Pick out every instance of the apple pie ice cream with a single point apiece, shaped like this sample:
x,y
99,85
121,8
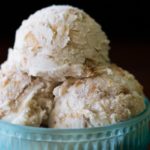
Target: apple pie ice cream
x,y
60,41
111,96
59,75
24,99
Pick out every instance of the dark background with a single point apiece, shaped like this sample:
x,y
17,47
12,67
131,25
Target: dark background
x,y
127,24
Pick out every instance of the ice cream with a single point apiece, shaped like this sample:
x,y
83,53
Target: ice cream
x,y
24,99
60,41
111,96
59,75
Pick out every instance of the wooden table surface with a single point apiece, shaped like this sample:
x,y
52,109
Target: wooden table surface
x,y
133,56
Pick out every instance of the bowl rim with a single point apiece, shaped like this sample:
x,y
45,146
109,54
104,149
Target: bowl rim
x,y
61,131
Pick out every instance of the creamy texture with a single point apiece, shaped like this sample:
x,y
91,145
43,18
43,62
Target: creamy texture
x,y
58,74
23,99
111,96
59,41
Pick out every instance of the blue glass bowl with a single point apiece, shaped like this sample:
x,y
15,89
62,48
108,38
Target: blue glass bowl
x,y
133,134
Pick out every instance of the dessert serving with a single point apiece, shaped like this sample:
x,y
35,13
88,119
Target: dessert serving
x,y
59,75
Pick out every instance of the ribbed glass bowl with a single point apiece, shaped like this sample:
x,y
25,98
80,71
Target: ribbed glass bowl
x,y
133,134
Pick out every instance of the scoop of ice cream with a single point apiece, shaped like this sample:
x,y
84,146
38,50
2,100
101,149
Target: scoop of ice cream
x,y
23,99
59,41
111,96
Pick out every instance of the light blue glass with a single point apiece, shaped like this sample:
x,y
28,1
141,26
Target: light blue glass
x,y
133,134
